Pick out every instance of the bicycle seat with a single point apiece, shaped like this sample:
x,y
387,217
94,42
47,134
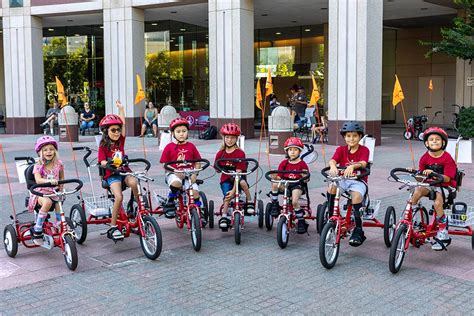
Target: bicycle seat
x,y
29,176
199,181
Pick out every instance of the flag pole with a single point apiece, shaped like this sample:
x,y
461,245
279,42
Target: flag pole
x,y
9,184
409,140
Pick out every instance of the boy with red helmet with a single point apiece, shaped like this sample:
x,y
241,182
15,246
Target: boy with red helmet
x,y
230,150
352,156
435,159
179,149
112,148
293,148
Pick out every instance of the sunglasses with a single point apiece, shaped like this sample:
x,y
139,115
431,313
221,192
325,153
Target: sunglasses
x,y
115,130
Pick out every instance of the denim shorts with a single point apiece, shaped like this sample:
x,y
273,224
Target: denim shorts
x,y
228,185
115,178
353,185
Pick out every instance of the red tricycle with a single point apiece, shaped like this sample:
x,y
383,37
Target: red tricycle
x,y
62,236
133,220
415,226
287,219
237,208
187,211
338,226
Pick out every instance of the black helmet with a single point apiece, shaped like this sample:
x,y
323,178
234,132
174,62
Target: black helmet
x,y
352,126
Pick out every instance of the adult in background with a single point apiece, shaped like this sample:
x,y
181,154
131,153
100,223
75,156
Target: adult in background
x,y
150,119
300,105
273,103
87,118
51,118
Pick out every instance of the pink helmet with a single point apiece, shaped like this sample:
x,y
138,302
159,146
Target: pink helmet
x,y
294,142
110,119
230,129
45,140
179,121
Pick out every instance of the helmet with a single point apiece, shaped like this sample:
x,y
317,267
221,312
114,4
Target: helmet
x,y
179,121
45,140
230,129
438,131
351,126
110,119
294,142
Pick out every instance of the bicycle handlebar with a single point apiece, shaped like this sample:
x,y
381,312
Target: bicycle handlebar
x,y
49,185
188,170
364,173
88,153
302,179
29,160
438,178
236,160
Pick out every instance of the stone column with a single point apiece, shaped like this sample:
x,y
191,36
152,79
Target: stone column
x,y
124,51
24,75
355,65
464,93
231,63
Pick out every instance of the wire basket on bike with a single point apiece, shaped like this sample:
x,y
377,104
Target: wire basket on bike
x,y
98,206
462,219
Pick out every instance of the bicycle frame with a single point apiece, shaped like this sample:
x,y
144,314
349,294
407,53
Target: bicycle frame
x,y
184,211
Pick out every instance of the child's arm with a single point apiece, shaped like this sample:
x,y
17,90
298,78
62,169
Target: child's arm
x,y
121,114
40,180
61,177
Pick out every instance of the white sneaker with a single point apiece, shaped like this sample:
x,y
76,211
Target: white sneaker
x,y
442,236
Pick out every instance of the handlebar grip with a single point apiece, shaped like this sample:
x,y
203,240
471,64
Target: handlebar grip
x,y
78,148
29,160
364,172
167,167
146,162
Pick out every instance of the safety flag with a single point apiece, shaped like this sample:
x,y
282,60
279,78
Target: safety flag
x,y
269,84
397,93
258,100
140,92
61,95
430,87
315,94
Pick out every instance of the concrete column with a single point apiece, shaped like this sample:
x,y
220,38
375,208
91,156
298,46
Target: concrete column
x,y
231,63
124,51
464,93
24,75
355,65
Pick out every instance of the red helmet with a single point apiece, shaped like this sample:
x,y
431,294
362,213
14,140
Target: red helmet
x,y
230,129
179,121
438,131
110,119
294,142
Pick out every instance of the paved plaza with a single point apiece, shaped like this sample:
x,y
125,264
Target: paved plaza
x,y
256,277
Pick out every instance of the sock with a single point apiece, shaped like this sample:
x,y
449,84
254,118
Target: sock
x,y
39,222
274,196
331,198
173,193
197,202
442,222
58,217
356,212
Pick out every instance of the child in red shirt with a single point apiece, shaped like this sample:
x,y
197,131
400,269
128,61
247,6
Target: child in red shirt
x,y
112,148
229,150
439,161
352,156
293,147
179,150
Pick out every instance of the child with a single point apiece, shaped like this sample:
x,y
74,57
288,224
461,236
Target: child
x,y
293,148
181,150
112,148
353,157
439,161
48,169
229,150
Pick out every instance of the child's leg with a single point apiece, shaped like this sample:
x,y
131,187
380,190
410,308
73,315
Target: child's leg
x,y
358,191
116,188
442,220
57,212
356,198
418,194
175,182
132,183
245,187
302,225
226,188
295,196
46,204
331,196
274,198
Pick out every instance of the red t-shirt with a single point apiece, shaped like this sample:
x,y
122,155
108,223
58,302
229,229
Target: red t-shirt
x,y
288,166
105,153
444,165
344,158
230,165
173,151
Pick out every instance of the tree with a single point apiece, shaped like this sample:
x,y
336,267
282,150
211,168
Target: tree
x,y
458,40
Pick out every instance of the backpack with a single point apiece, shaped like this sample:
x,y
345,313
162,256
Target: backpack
x,y
209,133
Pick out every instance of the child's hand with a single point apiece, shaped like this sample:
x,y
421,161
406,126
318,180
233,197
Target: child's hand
x,y
333,171
349,172
119,104
427,172
53,182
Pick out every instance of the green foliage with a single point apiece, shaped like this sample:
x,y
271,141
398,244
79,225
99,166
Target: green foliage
x,y
466,122
160,68
458,40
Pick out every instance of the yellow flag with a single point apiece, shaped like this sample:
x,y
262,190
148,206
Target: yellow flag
x,y
397,93
314,95
60,89
258,101
269,84
430,87
140,92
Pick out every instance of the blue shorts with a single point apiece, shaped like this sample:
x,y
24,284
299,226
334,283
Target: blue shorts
x,y
228,185
115,178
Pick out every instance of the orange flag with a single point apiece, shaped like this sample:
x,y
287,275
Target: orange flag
x,y
62,99
258,101
314,95
140,92
269,84
397,93
430,87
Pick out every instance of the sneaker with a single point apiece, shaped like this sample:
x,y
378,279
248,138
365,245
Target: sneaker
x,y
36,236
249,208
443,237
170,209
357,237
114,233
302,227
224,223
